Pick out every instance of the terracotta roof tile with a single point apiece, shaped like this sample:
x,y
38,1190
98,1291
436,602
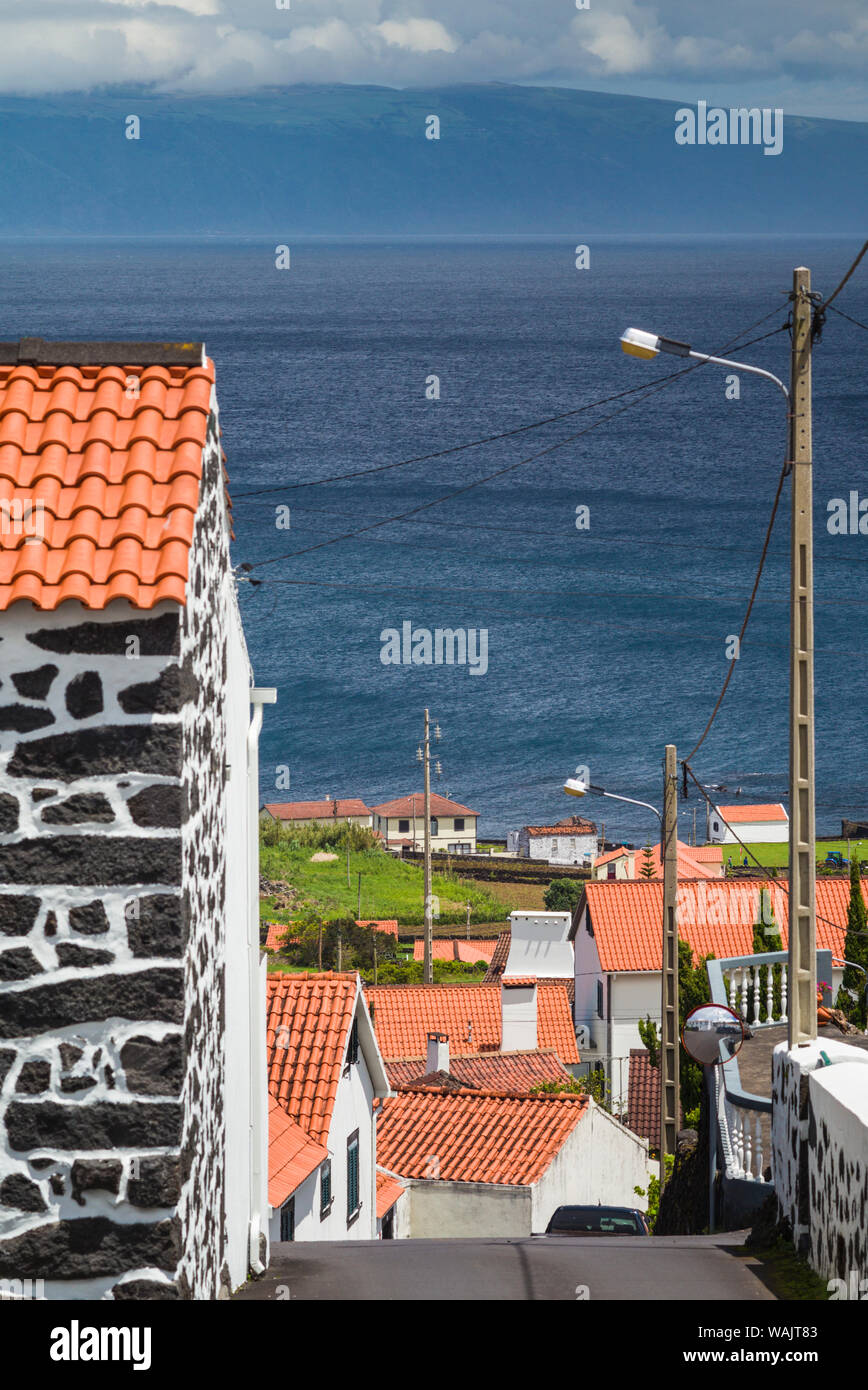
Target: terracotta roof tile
x,y
571,825
292,1154
487,1071
415,805
740,814
307,1029
474,1136
469,1014
108,484
643,1106
387,925
715,917
317,810
389,1189
454,948
499,957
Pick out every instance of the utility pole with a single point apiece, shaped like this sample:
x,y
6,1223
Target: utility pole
x,y
428,967
803,868
694,827
348,855
669,1031
359,899
468,921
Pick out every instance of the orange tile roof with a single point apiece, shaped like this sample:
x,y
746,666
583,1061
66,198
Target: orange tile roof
x,y
389,1189
474,1136
487,1071
618,853
307,1030
706,854
317,810
276,932
572,825
405,1014
415,805
643,1105
114,478
292,1154
715,917
389,925
453,948
741,814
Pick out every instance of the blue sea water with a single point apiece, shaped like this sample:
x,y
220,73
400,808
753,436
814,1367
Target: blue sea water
x,y
603,644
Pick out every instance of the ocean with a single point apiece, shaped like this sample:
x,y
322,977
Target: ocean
x,y
604,640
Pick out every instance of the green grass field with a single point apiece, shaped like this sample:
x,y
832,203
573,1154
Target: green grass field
x,y
390,887
776,856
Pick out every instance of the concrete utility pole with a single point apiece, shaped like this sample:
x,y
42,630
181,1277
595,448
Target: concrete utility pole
x,y
803,867
669,1031
428,968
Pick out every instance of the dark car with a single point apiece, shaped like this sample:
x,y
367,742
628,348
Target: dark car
x,y
597,1221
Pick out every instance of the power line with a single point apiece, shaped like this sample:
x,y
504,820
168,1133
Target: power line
x,y
500,472
505,434
838,288
849,318
748,611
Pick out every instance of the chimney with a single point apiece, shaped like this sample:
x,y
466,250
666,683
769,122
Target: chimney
x,y
437,1055
518,1009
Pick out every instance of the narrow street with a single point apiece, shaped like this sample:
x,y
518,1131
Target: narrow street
x,y
537,1268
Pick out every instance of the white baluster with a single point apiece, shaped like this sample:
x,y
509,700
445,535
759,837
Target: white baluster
x,y
770,994
748,1148
784,986
759,1149
739,1145
744,975
732,990
756,994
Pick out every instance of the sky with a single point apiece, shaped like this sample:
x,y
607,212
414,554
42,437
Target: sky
x,y
806,56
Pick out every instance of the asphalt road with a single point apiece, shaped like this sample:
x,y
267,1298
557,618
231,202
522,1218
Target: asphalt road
x,y
541,1268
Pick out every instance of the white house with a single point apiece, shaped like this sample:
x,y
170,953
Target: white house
x,y
478,1164
324,1071
766,824
694,861
402,823
133,1125
617,935
540,944
570,841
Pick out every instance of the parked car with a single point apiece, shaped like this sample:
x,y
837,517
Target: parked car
x,y
596,1221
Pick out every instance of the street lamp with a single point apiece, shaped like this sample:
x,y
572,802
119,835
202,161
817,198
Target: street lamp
x,y
574,786
637,343
802,952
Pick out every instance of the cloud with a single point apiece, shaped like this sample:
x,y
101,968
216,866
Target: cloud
x,y
671,47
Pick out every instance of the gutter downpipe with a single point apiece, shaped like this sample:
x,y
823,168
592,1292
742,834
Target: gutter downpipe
x,y
257,1117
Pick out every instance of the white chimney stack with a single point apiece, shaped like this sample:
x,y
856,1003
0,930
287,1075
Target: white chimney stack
x,y
518,1009
437,1056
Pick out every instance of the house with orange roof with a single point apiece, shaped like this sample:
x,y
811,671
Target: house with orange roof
x,y
693,862
324,1073
486,1163
402,824
132,1009
617,935
485,1071
768,823
337,810
519,1014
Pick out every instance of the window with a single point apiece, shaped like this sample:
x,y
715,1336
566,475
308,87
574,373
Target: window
x,y
403,827
600,1013
353,1046
611,869
325,1188
434,826
287,1220
459,822
353,1204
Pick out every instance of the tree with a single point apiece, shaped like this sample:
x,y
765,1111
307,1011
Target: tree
x,y
647,868
650,1040
851,995
692,991
562,894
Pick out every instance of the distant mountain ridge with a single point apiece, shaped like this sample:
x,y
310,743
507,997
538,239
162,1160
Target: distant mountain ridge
x,y
355,160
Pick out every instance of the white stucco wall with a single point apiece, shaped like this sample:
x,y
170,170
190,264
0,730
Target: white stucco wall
x,y
559,849
765,832
459,1210
539,945
239,1024
601,1162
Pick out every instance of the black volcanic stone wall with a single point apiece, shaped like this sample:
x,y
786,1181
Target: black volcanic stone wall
x,y
112,937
